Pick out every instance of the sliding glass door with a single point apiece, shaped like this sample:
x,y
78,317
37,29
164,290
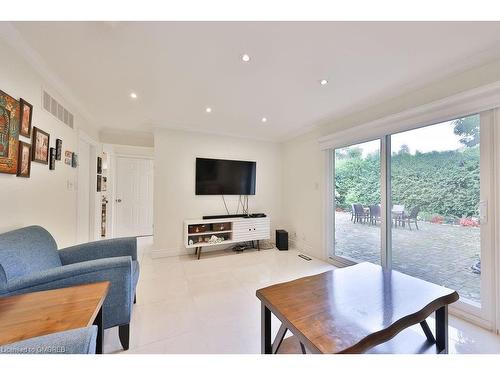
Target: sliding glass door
x,y
416,201
357,202
435,184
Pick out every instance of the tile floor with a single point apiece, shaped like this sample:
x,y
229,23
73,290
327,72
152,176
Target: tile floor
x,y
209,306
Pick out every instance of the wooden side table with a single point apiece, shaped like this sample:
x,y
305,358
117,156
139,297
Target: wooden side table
x,y
353,310
41,313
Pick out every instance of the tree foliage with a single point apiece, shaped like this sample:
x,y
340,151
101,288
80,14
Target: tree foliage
x,y
468,130
444,183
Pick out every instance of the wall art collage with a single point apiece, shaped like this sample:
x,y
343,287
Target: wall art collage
x,y
15,155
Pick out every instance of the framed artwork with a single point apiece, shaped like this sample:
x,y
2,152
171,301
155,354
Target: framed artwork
x,y
68,156
58,149
99,183
99,165
74,160
25,119
9,133
40,146
52,161
24,160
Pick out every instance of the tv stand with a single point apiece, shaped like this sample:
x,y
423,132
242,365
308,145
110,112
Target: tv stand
x,y
198,233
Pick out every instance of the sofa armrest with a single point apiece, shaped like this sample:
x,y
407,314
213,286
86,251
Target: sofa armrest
x,y
3,281
74,341
116,247
117,269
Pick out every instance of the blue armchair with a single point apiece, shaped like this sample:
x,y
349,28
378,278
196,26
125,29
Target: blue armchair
x,y
30,262
74,341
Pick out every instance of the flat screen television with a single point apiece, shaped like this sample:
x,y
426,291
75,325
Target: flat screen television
x,y
227,177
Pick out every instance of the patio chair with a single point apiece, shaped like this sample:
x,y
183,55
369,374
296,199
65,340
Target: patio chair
x,y
360,215
412,216
398,211
374,214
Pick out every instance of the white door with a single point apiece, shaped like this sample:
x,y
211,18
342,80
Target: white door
x,y
84,223
134,197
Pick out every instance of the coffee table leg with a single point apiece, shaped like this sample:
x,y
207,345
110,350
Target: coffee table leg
x,y
265,330
442,329
100,332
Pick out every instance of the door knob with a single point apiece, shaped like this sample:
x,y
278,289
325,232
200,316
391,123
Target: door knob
x,y
118,200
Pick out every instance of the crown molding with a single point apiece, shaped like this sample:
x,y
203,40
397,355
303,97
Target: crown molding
x,y
462,104
14,39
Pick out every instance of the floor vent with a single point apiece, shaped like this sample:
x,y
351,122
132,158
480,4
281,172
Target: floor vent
x,y
57,110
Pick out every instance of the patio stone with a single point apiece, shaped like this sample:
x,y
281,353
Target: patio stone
x,y
439,253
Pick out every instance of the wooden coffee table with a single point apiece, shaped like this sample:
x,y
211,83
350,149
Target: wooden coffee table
x,y
353,309
41,313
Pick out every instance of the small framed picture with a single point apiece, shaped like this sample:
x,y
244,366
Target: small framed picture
x,y
26,112
40,146
24,161
58,149
99,165
68,157
52,162
99,183
74,160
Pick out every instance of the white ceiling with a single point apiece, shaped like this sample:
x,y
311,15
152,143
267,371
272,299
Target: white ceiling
x,y
178,69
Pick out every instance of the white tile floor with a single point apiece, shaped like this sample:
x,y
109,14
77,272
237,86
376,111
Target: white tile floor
x,y
209,306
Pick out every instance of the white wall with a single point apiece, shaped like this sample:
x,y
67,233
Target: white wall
x,y
124,137
44,199
174,185
305,165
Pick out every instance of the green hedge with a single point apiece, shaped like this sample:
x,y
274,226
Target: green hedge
x,y
441,183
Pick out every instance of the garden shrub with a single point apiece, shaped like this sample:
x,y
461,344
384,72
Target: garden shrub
x,y
443,184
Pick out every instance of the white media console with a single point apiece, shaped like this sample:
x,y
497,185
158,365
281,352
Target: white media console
x,y
200,233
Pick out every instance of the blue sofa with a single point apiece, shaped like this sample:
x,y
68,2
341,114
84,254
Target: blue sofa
x,y
74,341
30,262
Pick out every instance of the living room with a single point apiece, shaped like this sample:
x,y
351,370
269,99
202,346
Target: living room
x,y
263,186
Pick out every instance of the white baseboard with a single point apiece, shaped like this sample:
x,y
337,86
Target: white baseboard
x,y
299,245
303,247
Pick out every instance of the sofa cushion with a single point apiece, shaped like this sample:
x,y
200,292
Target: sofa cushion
x,y
27,250
75,341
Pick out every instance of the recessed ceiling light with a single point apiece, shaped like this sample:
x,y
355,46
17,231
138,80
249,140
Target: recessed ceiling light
x,y
264,119
208,109
245,58
323,82
133,95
